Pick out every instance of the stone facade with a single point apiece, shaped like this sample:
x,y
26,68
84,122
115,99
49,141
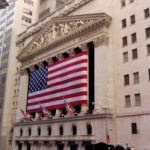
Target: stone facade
x,y
74,25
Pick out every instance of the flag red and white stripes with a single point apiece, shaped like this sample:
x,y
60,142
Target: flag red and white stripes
x,y
65,78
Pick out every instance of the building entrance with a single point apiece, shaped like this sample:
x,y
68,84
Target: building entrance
x,y
73,147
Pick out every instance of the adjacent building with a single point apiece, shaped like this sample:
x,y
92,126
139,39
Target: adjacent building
x,y
95,55
13,19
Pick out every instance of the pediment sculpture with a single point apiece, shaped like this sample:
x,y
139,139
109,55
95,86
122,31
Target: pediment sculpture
x,y
59,28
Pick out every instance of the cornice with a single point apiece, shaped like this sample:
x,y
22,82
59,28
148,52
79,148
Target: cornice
x,y
86,23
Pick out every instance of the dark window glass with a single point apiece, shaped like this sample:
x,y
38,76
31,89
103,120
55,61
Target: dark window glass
x,y
137,99
126,80
147,32
74,130
123,3
149,73
147,13
20,146
124,24
132,19
29,130
131,1
49,131
134,128
21,132
148,49
134,54
39,131
125,57
133,37
89,129
127,101
61,131
124,41
136,79
28,146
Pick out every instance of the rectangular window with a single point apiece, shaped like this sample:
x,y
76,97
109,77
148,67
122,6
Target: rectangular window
x,y
127,101
133,37
147,30
132,19
136,78
126,80
125,57
29,2
137,99
131,1
148,49
134,54
123,3
134,128
27,11
124,41
26,19
124,24
149,73
147,13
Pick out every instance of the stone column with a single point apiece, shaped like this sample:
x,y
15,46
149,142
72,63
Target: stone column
x,y
80,146
103,73
23,92
66,146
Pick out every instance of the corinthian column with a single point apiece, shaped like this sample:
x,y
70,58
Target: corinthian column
x,y
23,92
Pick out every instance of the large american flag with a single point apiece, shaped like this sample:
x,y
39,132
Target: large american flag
x,y
65,78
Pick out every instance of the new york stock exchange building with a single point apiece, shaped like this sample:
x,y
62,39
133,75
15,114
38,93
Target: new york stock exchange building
x,y
67,60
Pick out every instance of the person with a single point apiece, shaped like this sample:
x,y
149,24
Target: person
x,y
119,147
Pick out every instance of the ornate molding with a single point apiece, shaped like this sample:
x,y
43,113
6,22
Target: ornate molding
x,y
60,30
98,41
102,40
23,71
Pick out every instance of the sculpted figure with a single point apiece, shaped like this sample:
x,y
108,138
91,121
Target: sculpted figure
x,y
79,23
42,40
61,29
54,31
36,44
66,28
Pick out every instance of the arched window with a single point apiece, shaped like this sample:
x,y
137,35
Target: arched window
x,y
29,131
49,131
61,131
21,132
89,129
39,131
74,130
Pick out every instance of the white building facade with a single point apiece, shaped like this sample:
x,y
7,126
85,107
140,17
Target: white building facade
x,y
115,35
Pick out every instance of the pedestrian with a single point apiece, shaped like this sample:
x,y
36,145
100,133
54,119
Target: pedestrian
x,y
119,147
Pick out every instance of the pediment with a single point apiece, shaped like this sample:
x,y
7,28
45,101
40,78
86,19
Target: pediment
x,y
60,29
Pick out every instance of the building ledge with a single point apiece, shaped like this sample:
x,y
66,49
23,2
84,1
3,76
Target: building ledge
x,y
108,115
64,138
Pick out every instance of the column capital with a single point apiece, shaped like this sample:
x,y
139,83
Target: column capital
x,y
23,71
84,47
101,40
